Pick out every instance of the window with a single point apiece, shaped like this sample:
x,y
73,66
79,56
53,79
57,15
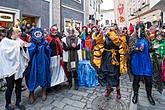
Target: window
x,y
90,2
106,22
94,4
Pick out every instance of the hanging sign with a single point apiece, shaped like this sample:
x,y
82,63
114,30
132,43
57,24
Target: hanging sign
x,y
6,17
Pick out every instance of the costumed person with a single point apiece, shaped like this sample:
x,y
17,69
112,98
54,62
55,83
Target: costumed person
x,y
162,53
38,71
56,65
14,60
46,33
27,39
71,57
141,65
110,70
84,35
98,49
123,49
131,46
88,44
158,53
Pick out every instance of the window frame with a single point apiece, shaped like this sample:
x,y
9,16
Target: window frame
x,y
78,1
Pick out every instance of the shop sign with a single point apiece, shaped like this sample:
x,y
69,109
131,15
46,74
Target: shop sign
x,y
6,17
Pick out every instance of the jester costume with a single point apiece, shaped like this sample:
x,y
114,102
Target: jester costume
x,y
141,65
86,43
38,71
56,65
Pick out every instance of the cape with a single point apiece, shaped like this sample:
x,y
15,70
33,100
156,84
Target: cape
x,y
140,61
14,59
38,71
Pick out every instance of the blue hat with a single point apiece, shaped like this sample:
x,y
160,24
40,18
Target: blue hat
x,y
37,34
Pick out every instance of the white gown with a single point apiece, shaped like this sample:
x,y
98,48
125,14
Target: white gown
x,y
13,58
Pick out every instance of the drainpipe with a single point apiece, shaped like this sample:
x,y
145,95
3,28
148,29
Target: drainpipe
x,y
50,12
61,15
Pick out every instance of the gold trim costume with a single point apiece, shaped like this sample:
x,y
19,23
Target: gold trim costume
x,y
98,49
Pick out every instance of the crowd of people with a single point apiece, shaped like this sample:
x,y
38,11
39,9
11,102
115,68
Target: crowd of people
x,y
93,57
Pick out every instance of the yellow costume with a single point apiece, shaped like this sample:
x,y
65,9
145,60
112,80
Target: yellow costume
x,y
123,48
98,49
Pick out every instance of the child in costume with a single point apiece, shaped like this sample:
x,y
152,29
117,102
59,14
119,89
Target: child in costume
x,y
56,65
141,65
14,60
38,71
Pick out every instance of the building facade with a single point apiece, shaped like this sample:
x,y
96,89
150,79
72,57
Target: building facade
x,y
72,14
29,11
107,17
159,4
139,10
92,14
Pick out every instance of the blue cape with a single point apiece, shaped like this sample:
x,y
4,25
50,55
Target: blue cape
x,y
140,61
38,71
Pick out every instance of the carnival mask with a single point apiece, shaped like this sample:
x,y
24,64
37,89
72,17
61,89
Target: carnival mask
x,y
54,30
37,34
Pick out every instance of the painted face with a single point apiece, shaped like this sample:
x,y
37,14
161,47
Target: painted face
x,y
84,29
54,30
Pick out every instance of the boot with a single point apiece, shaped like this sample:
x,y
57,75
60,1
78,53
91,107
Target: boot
x,y
76,87
148,85
108,91
44,95
135,98
149,96
118,96
31,97
70,80
136,89
70,85
9,107
151,100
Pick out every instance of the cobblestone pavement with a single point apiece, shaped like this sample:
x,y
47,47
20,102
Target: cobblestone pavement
x,y
144,103
89,99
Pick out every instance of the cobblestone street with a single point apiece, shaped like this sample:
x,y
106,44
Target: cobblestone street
x,y
91,99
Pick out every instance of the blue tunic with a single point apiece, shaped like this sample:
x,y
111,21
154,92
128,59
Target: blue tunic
x,y
38,71
140,61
